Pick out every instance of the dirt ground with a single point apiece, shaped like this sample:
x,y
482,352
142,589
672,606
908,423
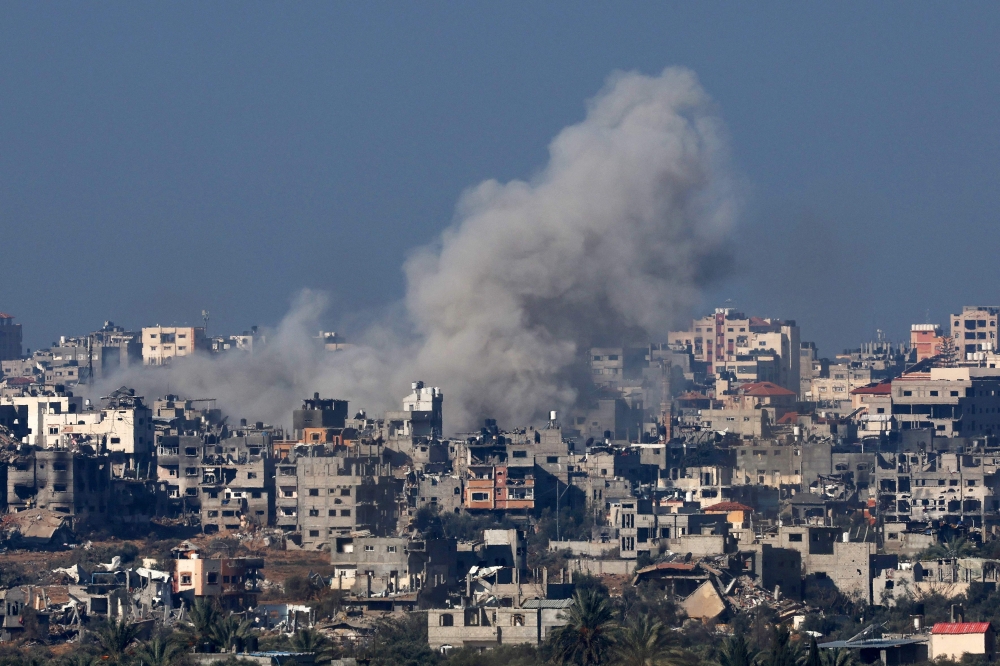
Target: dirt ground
x,y
278,564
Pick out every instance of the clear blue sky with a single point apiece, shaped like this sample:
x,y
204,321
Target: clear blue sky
x,y
161,158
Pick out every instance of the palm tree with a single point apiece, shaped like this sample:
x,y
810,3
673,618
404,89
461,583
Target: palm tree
x,y
114,639
310,640
953,549
781,653
203,616
160,651
589,633
838,657
737,652
644,642
811,657
225,633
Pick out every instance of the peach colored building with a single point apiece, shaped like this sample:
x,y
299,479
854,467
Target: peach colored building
x,y
953,640
489,488
232,580
925,339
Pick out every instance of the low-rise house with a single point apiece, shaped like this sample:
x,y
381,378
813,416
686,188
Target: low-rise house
x,y
953,640
490,626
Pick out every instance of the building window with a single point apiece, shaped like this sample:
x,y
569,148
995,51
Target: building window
x,y
314,533
213,578
314,492
345,513
369,549
480,497
314,512
185,579
795,537
390,549
447,619
345,492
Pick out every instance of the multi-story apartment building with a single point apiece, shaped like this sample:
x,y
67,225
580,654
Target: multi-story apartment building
x,y
95,355
338,495
728,340
10,338
234,582
161,344
39,407
614,367
75,485
123,427
422,415
494,488
841,379
752,410
974,329
952,401
959,487
925,339
769,464
318,416
227,483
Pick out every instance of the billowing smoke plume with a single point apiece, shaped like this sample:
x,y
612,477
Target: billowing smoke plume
x,y
613,238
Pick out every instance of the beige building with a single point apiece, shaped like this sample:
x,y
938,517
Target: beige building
x,y
975,329
728,340
486,627
841,381
160,344
955,402
953,640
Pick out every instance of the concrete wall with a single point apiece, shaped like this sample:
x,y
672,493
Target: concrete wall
x,y
697,544
603,567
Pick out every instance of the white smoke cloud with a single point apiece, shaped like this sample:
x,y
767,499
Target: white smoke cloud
x,y
615,236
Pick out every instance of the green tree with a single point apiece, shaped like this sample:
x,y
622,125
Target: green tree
x,y
114,639
203,616
953,548
644,642
228,632
782,653
589,634
838,657
161,651
811,657
310,640
737,652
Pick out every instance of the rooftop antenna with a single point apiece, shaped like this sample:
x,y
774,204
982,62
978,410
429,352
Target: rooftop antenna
x,y
204,318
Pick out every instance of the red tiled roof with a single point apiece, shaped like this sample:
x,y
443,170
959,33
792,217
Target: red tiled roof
x,y
691,395
764,389
727,507
4,315
790,417
961,628
19,381
885,388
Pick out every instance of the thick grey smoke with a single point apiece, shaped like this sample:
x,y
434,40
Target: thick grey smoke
x,y
614,236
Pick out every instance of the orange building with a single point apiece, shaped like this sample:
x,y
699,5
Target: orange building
x,y
491,488
925,339
234,581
